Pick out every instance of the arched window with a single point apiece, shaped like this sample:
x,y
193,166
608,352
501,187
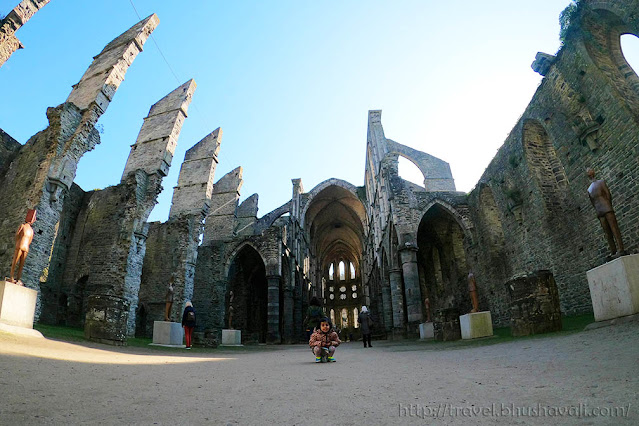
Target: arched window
x,y
342,271
330,272
333,316
630,50
352,270
355,318
407,170
344,318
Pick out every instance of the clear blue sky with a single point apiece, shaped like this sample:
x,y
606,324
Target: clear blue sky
x,y
291,82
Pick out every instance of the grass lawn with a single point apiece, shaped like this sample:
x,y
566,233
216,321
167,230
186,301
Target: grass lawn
x,y
570,325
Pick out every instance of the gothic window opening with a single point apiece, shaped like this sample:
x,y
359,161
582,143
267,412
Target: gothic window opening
x,y
330,273
352,270
355,318
342,271
344,318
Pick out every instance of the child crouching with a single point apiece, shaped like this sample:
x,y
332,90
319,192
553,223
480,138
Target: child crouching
x,y
324,340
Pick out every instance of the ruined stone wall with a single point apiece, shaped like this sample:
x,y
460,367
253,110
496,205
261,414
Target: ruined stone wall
x,y
9,147
9,43
171,251
582,115
211,282
43,170
54,299
107,249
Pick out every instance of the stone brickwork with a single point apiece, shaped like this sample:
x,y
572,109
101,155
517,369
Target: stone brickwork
x,y
408,243
446,325
192,194
9,147
109,240
9,43
44,168
534,304
171,247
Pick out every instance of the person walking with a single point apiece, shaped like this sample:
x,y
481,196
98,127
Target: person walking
x,y
365,324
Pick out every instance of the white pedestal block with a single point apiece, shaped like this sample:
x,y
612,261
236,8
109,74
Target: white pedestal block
x,y
475,325
17,304
426,330
167,333
231,338
614,288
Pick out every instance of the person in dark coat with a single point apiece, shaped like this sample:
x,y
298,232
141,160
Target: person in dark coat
x,y
314,314
188,322
365,324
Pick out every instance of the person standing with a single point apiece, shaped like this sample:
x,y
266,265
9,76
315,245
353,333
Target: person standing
x,y
365,324
188,322
314,314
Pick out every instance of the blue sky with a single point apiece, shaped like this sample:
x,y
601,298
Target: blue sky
x,y
291,82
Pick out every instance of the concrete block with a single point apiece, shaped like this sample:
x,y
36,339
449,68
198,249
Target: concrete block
x,y
231,338
426,330
475,325
167,333
614,288
17,304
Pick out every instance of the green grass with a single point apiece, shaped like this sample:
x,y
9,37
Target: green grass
x,y
570,325
60,332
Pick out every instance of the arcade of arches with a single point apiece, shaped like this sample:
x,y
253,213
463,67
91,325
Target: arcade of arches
x,y
389,244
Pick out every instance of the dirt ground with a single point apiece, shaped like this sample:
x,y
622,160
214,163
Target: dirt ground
x,y
561,379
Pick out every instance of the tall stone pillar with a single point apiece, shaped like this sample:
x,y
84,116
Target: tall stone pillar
x,y
412,291
287,321
387,304
273,309
297,310
397,301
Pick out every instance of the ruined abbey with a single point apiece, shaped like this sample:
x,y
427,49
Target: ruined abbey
x,y
388,244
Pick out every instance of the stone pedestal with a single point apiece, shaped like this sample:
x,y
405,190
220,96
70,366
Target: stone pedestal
x,y
17,304
168,333
614,288
426,330
106,319
475,325
446,324
534,304
231,338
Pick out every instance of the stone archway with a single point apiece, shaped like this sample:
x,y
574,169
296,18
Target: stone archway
x,y
334,222
544,165
441,258
247,280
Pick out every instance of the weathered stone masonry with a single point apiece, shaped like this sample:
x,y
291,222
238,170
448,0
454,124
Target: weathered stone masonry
x,y
529,211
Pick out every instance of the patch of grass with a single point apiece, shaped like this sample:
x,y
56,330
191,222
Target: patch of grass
x,y
570,325
60,332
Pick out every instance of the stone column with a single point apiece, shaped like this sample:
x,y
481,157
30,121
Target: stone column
x,y
387,305
287,321
297,311
412,292
397,300
273,309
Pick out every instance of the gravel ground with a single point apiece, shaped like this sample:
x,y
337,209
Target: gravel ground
x,y
560,379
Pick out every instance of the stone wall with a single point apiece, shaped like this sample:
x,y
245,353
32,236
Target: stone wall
x,y
11,23
583,115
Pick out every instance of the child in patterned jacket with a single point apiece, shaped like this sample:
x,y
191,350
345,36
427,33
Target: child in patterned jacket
x,y
324,341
